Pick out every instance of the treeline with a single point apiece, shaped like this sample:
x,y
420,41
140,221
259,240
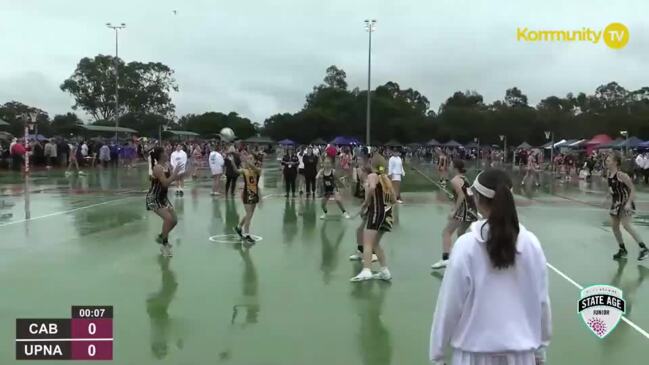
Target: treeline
x,y
331,109
405,115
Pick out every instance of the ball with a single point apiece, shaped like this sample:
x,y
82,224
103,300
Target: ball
x,y
227,134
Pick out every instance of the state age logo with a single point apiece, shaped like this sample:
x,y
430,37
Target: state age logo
x,y
601,307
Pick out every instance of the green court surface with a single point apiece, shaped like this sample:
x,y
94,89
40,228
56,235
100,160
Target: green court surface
x,y
287,300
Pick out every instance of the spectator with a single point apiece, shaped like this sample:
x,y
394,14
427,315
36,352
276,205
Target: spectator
x,y
17,151
104,155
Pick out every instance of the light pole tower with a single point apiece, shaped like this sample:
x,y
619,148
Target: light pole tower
x,y
116,28
370,26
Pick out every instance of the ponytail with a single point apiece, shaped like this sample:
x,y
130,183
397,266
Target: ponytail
x,y
494,190
154,157
388,189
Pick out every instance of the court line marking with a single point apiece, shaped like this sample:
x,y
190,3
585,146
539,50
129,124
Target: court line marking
x,y
574,283
67,211
628,321
81,208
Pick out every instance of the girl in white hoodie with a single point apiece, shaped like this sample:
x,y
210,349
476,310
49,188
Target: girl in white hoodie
x,y
493,306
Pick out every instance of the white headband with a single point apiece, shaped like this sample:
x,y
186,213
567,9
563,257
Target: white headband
x,y
483,190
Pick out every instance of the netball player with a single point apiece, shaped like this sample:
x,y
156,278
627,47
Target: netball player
x,y
622,193
327,173
379,199
464,212
73,159
250,197
156,198
493,306
362,180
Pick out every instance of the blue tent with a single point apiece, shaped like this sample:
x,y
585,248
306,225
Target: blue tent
x,y
38,137
344,140
286,142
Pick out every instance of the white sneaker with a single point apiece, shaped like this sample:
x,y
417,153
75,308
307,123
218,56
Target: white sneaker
x,y
214,193
81,172
358,256
439,264
384,274
347,216
400,201
364,275
324,216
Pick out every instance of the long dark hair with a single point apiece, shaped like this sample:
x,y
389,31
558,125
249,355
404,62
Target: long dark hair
x,y
503,218
154,156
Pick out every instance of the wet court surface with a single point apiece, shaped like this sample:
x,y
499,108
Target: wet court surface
x,y
89,240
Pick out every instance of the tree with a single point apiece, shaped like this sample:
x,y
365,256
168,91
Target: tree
x,y
143,87
211,123
335,78
514,97
12,112
64,124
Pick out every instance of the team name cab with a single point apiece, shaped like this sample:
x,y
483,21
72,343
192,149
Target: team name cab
x,y
43,328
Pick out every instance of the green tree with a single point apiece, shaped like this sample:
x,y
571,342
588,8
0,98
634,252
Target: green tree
x,y
143,87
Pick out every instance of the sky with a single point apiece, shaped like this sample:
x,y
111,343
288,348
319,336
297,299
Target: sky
x,y
261,57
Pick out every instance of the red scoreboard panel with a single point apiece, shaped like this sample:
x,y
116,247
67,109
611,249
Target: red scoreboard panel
x,y
87,335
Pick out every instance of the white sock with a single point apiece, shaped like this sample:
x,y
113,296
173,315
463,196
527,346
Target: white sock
x,y
366,271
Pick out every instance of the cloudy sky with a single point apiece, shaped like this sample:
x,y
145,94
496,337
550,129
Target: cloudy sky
x,y
259,57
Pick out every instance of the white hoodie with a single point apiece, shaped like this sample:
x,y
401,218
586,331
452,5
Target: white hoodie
x,y
178,158
481,309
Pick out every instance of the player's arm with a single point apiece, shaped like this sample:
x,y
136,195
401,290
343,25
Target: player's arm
x,y
319,174
457,187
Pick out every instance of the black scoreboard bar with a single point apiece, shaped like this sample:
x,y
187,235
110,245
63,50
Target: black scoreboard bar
x,y
87,335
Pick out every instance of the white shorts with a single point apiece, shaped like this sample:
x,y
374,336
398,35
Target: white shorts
x,y
216,171
396,178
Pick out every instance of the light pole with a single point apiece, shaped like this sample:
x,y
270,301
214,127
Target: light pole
x,y
29,119
370,26
116,28
625,134
549,135
503,138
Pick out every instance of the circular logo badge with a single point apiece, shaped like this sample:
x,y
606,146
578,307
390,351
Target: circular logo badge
x,y
616,35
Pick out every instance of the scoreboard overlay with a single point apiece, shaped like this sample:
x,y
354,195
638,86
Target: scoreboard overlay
x,y
87,335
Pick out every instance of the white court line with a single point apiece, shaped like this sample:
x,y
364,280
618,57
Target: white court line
x,y
628,321
66,211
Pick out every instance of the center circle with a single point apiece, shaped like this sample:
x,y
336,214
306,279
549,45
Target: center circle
x,y
232,238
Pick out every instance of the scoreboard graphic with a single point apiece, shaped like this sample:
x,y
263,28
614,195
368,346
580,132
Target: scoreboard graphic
x,y
87,335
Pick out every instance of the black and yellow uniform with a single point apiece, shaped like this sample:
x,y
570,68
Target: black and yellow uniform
x,y
329,184
379,212
467,211
620,193
156,197
250,193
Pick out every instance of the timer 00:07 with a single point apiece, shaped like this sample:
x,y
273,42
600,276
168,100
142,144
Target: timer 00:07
x,y
91,313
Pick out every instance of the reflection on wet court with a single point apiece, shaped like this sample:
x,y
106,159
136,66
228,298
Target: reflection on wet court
x,y
89,240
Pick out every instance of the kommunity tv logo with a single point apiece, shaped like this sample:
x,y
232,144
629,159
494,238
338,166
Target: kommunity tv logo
x,y
614,35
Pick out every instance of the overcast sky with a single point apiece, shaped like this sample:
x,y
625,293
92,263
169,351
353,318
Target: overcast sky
x,y
260,57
